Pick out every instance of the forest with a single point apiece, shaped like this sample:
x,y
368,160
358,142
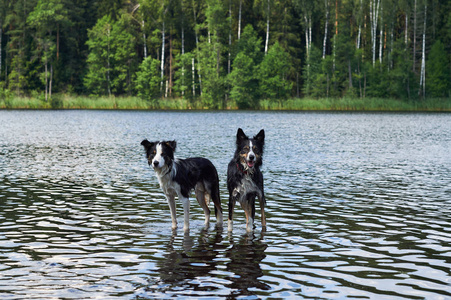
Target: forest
x,y
223,53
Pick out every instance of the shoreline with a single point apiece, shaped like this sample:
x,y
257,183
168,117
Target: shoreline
x,y
69,102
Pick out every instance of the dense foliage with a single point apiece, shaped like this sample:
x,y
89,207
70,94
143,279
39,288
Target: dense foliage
x,y
219,52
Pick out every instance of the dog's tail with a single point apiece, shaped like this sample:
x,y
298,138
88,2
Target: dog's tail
x,y
217,200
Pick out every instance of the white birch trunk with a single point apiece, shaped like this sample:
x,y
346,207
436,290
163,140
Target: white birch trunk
x,y
267,30
230,38
144,39
325,28
162,58
374,14
197,48
1,34
381,34
405,32
414,33
194,76
307,47
360,26
423,56
391,45
108,62
46,80
358,36
166,89
183,51
239,20
183,66
51,80
310,31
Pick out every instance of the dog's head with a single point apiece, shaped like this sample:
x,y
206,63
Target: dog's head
x,y
160,155
249,151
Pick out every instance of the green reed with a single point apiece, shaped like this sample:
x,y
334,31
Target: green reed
x,y
64,101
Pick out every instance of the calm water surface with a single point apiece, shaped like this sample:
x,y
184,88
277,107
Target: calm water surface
x,y
359,206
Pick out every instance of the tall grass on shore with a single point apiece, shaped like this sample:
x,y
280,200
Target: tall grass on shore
x,y
83,102
358,104
63,101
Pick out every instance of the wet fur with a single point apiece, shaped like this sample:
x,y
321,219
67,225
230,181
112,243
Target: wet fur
x,y
245,180
178,177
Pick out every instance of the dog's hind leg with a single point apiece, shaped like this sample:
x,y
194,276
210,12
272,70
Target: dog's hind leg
x,y
203,198
212,193
231,207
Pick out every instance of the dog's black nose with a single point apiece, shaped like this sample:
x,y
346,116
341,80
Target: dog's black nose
x,y
251,157
155,163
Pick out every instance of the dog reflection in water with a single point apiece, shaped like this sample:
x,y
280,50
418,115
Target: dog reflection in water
x,y
194,258
186,261
244,262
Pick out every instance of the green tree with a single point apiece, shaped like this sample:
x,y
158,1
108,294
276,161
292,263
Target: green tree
x,y
273,72
98,78
123,56
244,76
400,77
111,57
185,76
438,80
19,42
244,82
148,79
212,79
45,17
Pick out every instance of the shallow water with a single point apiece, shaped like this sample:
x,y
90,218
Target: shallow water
x,y
358,205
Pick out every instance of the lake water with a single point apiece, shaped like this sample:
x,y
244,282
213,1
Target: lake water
x,y
358,206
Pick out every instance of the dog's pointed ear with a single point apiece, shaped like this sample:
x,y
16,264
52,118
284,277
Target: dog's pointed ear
x,y
147,144
240,136
260,136
171,144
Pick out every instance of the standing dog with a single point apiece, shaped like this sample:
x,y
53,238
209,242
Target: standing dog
x,y
244,178
180,176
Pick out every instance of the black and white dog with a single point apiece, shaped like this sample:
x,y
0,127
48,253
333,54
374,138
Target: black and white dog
x,y
244,178
180,176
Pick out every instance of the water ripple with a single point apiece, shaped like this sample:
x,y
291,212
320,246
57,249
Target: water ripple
x,y
358,206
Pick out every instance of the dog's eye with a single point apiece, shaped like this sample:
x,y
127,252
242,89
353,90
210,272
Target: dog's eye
x,y
154,152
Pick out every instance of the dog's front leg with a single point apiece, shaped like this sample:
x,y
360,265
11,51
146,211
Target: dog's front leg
x,y
233,197
262,206
185,202
171,202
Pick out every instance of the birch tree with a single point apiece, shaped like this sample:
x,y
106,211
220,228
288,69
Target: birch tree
x,y
264,8
422,90
196,33
326,8
359,20
374,17
381,32
239,18
142,23
414,52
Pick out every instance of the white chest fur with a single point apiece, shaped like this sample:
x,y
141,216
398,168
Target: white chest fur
x,y
168,186
246,186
